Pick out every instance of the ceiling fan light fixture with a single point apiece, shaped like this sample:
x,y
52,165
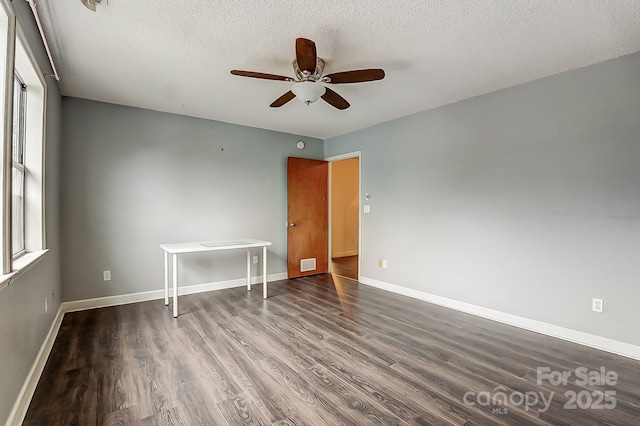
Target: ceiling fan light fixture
x,y
308,91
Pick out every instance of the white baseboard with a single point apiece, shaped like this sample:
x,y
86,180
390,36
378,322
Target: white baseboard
x,y
123,299
16,417
614,346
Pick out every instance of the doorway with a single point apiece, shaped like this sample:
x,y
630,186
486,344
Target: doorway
x,y
344,195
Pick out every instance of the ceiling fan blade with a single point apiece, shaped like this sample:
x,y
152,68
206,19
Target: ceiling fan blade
x,y
356,76
282,99
306,55
261,75
335,100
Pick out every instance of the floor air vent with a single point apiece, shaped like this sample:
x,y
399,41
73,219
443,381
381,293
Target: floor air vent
x,y
308,265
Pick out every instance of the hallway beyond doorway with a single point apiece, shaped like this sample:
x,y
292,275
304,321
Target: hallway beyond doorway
x,y
345,266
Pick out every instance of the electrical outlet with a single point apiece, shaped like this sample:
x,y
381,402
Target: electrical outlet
x,y
597,305
106,275
384,264
255,259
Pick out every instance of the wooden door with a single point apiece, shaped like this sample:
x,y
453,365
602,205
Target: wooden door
x,y
307,217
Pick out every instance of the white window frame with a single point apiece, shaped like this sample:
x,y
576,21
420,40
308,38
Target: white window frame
x,y
6,114
27,67
21,60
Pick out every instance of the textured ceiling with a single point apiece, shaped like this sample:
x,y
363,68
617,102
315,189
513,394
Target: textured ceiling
x,y
175,55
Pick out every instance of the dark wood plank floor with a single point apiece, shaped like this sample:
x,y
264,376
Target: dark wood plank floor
x,y
345,266
321,350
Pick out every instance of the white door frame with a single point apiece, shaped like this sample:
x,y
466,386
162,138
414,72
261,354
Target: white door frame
x,y
346,156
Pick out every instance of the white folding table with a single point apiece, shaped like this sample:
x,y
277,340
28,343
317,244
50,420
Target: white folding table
x,y
179,248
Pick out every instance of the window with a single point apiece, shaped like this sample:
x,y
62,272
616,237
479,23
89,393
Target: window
x,y
18,169
27,186
24,235
22,130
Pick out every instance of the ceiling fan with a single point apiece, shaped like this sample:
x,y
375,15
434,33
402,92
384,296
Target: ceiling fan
x,y
309,82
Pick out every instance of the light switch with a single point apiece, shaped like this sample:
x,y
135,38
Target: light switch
x,y
367,208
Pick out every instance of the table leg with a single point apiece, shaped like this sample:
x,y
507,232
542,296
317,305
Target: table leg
x,y
248,270
166,279
264,272
175,285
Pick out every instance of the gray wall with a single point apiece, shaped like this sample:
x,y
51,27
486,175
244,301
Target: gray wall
x,y
136,178
23,323
526,200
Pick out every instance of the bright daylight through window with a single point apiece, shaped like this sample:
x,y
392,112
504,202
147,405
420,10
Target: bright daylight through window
x,y
18,169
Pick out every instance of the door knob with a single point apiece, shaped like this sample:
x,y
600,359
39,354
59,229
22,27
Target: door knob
x,y
292,224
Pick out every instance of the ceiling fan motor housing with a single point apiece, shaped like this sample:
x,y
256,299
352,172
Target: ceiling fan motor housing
x,y
304,75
